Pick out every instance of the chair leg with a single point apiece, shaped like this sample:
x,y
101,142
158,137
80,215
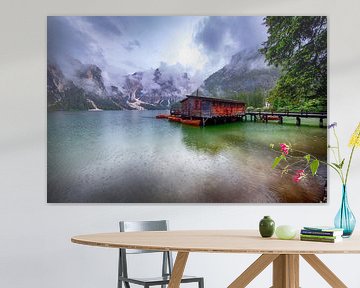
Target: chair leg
x,y
119,270
201,283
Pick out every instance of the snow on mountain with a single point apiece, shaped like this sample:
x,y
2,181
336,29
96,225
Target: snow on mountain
x,y
78,86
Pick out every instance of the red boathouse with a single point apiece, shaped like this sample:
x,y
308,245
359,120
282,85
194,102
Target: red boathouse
x,y
210,109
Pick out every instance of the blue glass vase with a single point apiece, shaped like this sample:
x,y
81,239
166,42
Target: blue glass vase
x,y
345,219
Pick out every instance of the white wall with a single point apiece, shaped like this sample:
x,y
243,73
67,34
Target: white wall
x,y
35,248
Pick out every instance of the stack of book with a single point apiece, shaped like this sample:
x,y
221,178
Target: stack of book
x,y
321,234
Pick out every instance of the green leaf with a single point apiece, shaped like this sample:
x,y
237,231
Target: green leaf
x,y
277,161
314,166
307,157
342,163
336,165
339,166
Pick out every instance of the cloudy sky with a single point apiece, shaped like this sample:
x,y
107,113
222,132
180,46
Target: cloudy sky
x,y
123,45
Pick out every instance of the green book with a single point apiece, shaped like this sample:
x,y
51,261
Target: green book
x,y
325,240
319,236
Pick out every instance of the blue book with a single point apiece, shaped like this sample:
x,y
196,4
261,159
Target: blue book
x,y
322,231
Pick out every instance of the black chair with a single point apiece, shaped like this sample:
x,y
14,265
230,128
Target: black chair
x,y
167,265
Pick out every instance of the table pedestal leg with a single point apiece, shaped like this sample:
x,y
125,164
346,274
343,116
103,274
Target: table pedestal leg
x,y
178,270
286,271
324,271
253,270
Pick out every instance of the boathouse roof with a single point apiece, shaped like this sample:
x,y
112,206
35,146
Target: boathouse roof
x,y
213,99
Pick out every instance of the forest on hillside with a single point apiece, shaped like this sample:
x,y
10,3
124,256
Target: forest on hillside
x,y
298,46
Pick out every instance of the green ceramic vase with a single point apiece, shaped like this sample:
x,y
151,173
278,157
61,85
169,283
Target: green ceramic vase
x,y
266,227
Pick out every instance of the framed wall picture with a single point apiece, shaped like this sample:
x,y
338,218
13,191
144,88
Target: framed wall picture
x,y
186,109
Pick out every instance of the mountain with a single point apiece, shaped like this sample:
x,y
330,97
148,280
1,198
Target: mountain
x,y
83,88
156,89
89,77
78,86
247,72
62,94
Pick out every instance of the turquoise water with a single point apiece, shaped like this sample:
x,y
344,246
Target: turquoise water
x,y
129,156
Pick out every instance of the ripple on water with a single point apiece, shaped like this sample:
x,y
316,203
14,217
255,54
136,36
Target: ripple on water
x,y
129,156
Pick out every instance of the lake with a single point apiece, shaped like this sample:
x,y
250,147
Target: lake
x,y
132,157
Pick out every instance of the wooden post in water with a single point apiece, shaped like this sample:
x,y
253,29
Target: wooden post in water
x,y
298,121
321,124
266,119
281,120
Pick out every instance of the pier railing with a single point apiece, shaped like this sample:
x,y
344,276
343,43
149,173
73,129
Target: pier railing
x,y
290,114
269,115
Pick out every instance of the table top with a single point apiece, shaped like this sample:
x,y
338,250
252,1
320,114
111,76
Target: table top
x,y
217,241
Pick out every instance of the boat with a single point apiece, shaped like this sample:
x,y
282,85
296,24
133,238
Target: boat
x,y
174,119
184,121
269,118
191,122
162,116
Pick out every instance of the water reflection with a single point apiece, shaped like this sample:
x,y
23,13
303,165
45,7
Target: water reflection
x,y
245,146
129,156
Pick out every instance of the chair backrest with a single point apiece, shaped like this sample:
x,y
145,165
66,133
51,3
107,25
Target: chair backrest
x,y
134,226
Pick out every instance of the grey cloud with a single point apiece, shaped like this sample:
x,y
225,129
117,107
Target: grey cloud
x,y
65,42
131,45
109,42
62,39
211,34
103,25
227,35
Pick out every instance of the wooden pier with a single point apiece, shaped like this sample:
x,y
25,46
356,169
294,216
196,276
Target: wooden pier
x,y
279,116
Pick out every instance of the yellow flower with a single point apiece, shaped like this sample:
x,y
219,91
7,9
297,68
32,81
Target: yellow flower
x,y
355,138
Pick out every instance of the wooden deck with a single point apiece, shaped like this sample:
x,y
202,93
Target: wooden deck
x,y
267,116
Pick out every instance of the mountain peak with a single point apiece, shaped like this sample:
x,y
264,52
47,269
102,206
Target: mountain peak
x,y
246,72
247,59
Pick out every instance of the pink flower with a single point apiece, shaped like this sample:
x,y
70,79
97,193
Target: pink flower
x,y
300,174
284,148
